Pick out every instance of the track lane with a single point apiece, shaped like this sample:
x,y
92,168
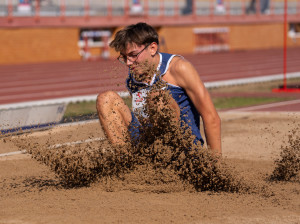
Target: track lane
x,y
28,82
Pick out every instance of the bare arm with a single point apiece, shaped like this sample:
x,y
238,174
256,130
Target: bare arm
x,y
183,74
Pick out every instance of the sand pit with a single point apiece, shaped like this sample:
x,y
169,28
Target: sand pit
x,y
32,193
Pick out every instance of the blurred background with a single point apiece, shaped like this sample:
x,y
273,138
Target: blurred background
x,y
64,30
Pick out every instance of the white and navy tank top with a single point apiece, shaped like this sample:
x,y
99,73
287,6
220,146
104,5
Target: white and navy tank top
x,y
188,112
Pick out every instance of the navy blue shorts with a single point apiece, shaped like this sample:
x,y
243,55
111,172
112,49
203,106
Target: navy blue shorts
x,y
134,128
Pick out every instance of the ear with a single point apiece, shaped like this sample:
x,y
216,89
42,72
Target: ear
x,y
153,48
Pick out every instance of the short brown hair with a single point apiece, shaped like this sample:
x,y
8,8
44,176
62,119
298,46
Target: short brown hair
x,y
140,34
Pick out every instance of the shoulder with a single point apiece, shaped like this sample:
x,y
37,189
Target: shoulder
x,y
179,66
183,74
181,70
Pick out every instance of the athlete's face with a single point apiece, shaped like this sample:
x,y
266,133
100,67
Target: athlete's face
x,y
139,58
132,53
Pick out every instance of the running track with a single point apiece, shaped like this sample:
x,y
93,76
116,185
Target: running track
x,y
30,82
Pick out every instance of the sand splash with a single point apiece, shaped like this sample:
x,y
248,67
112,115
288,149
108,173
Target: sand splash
x,y
166,153
288,165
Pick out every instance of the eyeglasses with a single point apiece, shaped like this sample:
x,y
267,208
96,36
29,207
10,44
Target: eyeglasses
x,y
132,58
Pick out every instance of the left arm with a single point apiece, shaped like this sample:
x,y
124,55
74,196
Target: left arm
x,y
185,75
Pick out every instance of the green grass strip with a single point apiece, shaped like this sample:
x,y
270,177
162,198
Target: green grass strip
x,y
80,108
236,102
88,108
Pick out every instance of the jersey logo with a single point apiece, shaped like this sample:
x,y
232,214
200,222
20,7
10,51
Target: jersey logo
x,y
139,97
139,100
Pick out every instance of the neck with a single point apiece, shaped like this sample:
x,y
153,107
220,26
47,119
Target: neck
x,y
156,60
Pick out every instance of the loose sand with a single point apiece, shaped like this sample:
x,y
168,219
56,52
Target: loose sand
x,y
31,193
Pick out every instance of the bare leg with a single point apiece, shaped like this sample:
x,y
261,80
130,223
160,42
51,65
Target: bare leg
x,y
114,116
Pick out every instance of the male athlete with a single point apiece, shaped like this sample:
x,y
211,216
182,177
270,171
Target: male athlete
x,y
138,45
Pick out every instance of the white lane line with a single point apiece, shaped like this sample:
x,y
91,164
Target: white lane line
x,y
12,153
213,84
266,106
55,146
75,143
240,81
72,99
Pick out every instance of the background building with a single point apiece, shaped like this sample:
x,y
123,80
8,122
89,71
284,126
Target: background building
x,y
33,31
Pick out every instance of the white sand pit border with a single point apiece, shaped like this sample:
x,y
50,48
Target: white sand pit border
x,y
55,130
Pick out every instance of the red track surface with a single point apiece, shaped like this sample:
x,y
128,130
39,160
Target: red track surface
x,y
28,82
